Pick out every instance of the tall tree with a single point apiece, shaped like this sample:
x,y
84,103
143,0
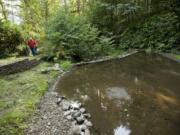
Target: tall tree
x,y
4,11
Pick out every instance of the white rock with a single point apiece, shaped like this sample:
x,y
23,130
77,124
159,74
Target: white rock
x,y
49,124
56,65
87,132
44,117
85,97
83,127
65,106
88,123
76,114
69,117
59,100
80,120
75,130
87,115
125,110
76,105
67,113
82,110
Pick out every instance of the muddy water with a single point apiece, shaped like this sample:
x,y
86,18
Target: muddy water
x,y
137,95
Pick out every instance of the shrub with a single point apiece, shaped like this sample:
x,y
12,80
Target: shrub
x,y
10,38
158,33
72,37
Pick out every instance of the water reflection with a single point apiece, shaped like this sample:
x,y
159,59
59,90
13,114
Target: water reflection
x,y
119,93
122,130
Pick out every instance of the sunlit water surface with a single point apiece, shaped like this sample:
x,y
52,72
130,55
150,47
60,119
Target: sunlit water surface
x,y
137,95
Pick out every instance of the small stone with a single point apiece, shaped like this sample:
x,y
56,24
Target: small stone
x,y
73,111
80,120
75,130
77,91
77,114
76,105
87,132
67,113
44,71
59,100
69,117
79,105
82,110
85,97
44,117
65,106
56,65
125,110
88,123
56,68
74,122
87,115
63,97
83,127
55,94
49,124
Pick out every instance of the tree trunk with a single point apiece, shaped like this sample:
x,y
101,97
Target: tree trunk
x,y
4,12
46,10
78,6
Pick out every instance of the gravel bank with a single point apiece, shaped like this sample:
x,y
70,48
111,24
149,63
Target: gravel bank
x,y
50,119
57,115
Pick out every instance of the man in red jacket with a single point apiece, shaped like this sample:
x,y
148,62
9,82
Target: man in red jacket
x,y
32,45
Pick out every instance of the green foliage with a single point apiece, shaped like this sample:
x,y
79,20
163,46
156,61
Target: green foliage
x,y
73,37
10,38
113,15
156,33
65,65
175,6
177,56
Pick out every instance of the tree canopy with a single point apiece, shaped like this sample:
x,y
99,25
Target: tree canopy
x,y
69,24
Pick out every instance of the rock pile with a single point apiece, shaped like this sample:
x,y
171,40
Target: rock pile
x,y
56,67
77,114
49,119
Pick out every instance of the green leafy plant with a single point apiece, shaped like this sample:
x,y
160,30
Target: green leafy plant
x,y
10,38
73,37
157,33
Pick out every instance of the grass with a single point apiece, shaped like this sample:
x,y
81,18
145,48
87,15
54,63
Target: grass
x,y
65,65
11,60
177,56
19,96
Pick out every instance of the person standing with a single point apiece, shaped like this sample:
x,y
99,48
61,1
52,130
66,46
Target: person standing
x,y
32,43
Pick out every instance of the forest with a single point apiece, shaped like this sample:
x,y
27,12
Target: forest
x,y
68,32
86,29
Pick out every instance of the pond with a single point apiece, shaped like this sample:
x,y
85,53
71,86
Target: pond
x,y
136,95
